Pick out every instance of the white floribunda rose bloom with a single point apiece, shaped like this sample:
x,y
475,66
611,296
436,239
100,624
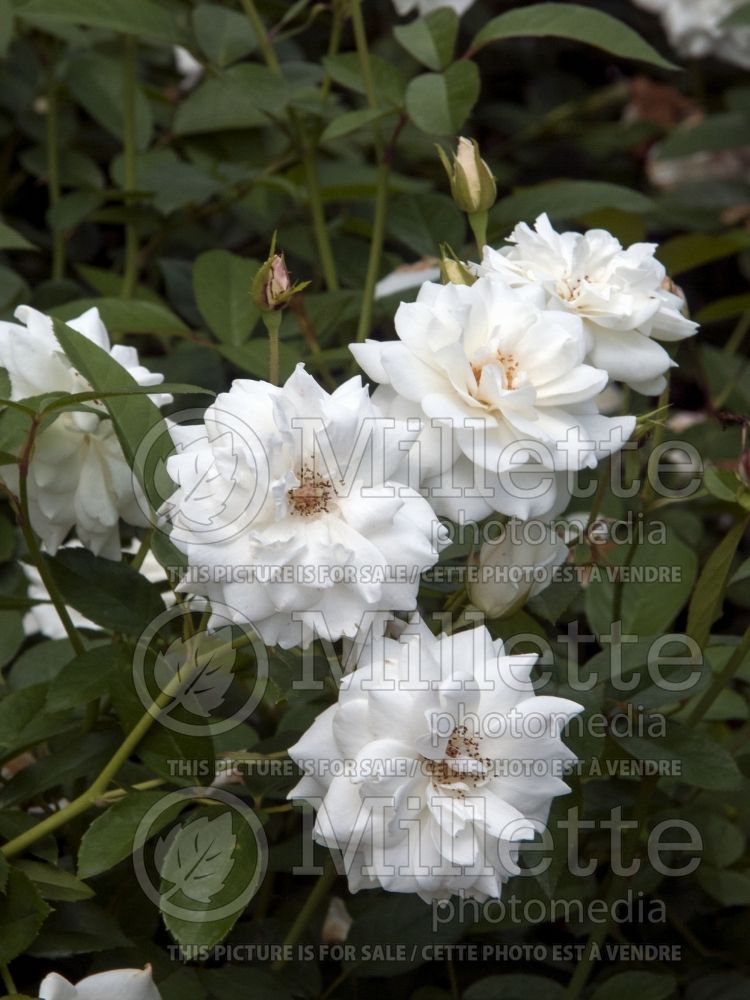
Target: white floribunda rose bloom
x,y
695,28
119,984
423,7
506,403
619,294
517,566
413,771
78,477
286,512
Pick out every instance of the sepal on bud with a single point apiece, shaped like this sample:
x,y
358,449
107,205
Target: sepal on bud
x,y
272,287
452,270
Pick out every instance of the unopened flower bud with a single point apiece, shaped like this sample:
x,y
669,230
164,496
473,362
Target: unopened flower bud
x,y
272,287
472,185
517,567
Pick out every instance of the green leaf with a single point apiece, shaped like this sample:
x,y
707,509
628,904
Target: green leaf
x,y
726,308
54,883
96,82
22,913
644,985
723,841
12,240
221,282
721,483
574,22
4,869
72,209
11,635
87,677
431,39
242,97
723,131
77,400
689,250
134,17
170,182
396,922
728,887
708,596
23,720
107,284
207,866
700,760
655,587
564,200
135,418
389,83
439,103
253,357
162,746
14,822
74,760
423,222
111,837
110,594
78,929
224,35
40,663
351,121
125,315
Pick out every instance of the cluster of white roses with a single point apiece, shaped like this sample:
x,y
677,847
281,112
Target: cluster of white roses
x,y
312,513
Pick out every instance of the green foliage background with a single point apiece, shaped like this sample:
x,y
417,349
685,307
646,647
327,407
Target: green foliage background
x,y
122,187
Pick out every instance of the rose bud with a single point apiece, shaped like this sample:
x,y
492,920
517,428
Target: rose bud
x,y
472,185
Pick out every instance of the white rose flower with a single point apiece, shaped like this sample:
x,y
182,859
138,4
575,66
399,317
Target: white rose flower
x,y
412,773
506,402
619,294
78,476
118,984
285,510
516,567
695,28
423,7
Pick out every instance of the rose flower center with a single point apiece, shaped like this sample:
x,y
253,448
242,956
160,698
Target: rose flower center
x,y
463,764
312,496
507,363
